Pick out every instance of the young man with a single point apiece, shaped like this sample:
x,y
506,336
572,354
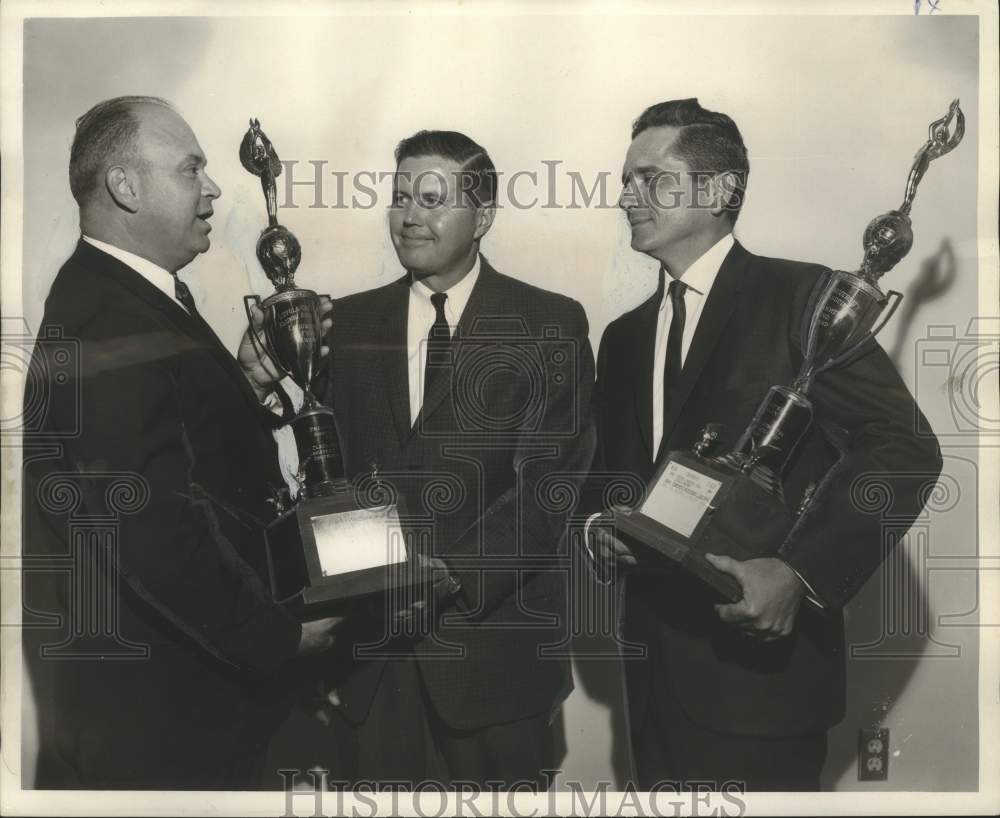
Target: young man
x,y
742,692
471,391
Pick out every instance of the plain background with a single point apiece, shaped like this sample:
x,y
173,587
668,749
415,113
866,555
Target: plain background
x,y
832,110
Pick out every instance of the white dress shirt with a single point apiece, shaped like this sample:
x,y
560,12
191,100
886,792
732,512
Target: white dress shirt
x,y
419,320
699,278
420,317
153,273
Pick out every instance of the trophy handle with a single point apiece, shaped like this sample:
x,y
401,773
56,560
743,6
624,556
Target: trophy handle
x,y
259,346
893,300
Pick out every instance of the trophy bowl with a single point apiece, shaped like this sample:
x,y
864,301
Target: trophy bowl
x,y
841,320
293,333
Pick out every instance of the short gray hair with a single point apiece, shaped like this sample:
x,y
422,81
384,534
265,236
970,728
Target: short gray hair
x,y
105,134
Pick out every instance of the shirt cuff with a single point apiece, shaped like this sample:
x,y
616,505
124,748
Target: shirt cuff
x,y
294,392
601,576
272,403
811,595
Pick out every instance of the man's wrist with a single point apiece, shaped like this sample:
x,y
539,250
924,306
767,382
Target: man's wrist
x,y
807,589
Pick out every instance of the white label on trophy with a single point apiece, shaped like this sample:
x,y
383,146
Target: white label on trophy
x,y
680,498
355,540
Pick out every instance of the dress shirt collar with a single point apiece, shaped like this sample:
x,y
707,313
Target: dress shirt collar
x,y
458,294
153,273
701,275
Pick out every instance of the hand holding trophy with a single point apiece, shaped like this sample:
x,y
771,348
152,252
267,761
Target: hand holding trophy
x,y
733,504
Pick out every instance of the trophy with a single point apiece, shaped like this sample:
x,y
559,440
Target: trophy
x,y
335,542
734,504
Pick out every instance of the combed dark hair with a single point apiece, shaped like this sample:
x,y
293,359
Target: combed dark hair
x,y
708,142
468,154
104,135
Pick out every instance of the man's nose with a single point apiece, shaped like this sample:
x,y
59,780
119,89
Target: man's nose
x,y
209,189
627,197
412,213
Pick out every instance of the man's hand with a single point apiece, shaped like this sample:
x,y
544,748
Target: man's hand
x,y
317,635
257,365
608,549
772,593
433,593
610,555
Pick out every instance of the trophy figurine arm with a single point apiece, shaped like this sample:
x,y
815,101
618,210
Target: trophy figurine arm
x,y
939,142
258,156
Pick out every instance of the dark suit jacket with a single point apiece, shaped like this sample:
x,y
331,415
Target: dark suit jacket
x,y
162,408
746,341
483,467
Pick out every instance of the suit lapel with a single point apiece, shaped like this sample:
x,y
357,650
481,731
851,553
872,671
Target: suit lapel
x,y
393,356
191,326
641,354
711,326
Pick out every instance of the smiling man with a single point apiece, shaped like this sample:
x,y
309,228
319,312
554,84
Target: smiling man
x,y
741,692
471,392
163,670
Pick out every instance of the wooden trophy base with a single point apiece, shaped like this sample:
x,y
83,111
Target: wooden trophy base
x,y
328,551
697,506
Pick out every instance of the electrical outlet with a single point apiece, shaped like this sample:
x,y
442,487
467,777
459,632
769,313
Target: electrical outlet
x,y
873,754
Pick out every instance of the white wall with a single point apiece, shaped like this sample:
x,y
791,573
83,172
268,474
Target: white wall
x,y
832,110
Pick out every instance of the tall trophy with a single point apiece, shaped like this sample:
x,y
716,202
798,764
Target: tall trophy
x,y
337,541
734,503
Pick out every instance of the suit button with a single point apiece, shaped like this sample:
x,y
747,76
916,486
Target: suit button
x,y
454,585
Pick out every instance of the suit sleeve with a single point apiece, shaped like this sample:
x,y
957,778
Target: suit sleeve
x,y
171,551
527,520
868,414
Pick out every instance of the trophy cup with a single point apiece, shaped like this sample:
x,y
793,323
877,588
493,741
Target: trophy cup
x,y
734,504
334,543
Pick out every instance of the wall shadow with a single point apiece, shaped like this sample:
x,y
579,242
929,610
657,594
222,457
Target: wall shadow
x,y
936,277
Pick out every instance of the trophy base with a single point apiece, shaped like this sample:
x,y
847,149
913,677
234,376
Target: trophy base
x,y
697,506
328,551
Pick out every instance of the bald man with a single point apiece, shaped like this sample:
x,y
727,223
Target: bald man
x,y
182,676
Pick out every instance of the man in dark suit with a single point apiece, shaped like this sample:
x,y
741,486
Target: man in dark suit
x,y
739,692
470,390
152,480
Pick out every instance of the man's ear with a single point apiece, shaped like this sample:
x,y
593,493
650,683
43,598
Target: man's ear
x,y
484,220
724,192
122,188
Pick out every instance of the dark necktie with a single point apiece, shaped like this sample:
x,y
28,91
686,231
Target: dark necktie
x,y
672,360
183,294
438,340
